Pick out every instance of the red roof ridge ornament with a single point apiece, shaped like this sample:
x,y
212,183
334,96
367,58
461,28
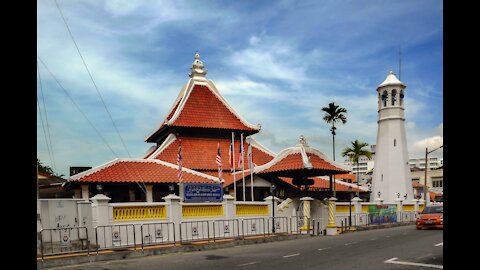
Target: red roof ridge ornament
x,y
198,71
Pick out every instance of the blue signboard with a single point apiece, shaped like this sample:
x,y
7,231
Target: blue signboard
x,y
203,192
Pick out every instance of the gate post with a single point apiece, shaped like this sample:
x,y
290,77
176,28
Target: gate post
x,y
331,227
357,202
307,224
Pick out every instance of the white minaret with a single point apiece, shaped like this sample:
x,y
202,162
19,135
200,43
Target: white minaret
x,y
391,175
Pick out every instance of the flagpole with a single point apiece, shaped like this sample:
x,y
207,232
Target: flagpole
x,y
233,166
243,165
250,155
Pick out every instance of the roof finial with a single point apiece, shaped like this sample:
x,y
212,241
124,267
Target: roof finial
x,y
302,140
197,70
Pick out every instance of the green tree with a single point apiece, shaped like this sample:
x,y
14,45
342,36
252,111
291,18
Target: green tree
x,y
46,169
334,114
355,152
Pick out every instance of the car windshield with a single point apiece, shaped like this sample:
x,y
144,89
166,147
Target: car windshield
x,y
433,210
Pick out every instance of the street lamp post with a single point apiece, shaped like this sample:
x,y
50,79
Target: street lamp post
x,y
426,168
272,190
350,208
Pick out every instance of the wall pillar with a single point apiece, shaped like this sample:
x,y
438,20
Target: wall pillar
x,y
269,199
331,226
229,207
379,201
100,213
399,209
174,213
307,224
415,205
357,202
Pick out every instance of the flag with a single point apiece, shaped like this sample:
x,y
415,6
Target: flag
x,y
219,162
250,155
179,162
240,156
230,156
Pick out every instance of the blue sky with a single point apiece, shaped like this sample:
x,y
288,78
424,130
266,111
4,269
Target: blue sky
x,y
276,62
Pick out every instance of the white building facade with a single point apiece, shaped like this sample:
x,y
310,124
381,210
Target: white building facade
x,y
433,163
391,176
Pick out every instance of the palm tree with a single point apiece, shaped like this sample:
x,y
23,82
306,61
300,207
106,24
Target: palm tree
x,y
355,152
333,114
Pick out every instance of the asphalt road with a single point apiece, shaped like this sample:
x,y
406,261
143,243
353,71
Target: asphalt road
x,y
391,248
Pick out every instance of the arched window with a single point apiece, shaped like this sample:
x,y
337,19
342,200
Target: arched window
x,y
394,97
401,98
385,98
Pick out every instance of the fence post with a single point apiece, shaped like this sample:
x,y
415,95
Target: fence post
x,y
174,213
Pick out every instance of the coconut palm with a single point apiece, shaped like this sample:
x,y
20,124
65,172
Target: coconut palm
x,y
355,152
333,114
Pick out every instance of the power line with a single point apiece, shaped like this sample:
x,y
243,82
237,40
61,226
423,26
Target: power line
x,y
143,188
91,78
95,85
48,140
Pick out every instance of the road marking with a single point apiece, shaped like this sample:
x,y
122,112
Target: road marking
x,y
250,263
394,261
387,236
346,244
320,249
291,255
439,244
373,239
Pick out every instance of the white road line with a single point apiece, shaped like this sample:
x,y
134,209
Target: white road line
x,y
394,261
439,244
346,244
250,263
291,255
320,249
373,239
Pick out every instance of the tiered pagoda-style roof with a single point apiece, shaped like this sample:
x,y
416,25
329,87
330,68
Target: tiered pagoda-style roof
x,y
201,106
199,153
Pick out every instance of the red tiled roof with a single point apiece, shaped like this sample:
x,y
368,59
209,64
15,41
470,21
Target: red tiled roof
x,y
417,184
147,171
347,176
204,109
294,162
201,153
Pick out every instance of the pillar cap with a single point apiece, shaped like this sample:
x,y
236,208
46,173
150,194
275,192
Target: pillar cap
x,y
228,197
399,200
306,199
332,199
356,199
270,197
172,197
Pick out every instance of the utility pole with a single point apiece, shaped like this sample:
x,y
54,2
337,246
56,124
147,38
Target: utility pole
x,y
427,201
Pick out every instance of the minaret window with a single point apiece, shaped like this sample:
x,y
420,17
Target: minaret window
x,y
394,97
401,98
385,98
